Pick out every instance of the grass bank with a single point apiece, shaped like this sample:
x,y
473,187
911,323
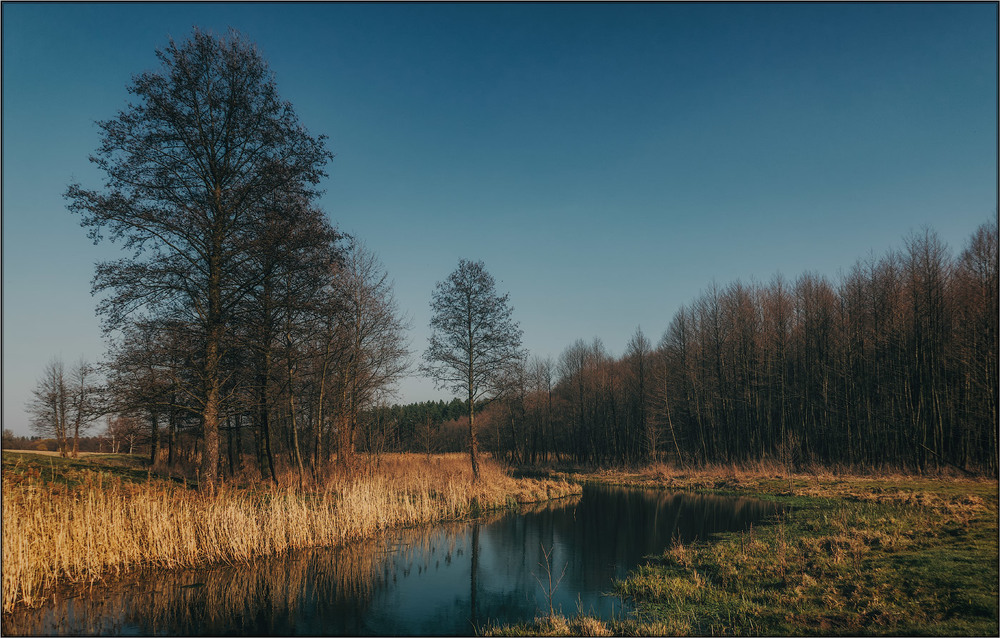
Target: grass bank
x,y
82,520
853,555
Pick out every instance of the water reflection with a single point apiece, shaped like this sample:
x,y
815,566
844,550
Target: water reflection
x,y
443,580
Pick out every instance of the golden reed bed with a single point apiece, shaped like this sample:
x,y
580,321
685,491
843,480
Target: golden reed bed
x,y
101,526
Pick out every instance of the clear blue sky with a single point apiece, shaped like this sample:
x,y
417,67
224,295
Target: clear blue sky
x,y
606,161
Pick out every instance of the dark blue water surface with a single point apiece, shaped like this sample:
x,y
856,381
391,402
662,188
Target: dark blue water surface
x,y
448,579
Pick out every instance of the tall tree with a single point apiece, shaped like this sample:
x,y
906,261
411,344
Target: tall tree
x,y
638,353
192,165
542,373
372,344
474,340
977,346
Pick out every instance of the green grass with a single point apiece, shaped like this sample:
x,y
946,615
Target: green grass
x,y
69,472
850,556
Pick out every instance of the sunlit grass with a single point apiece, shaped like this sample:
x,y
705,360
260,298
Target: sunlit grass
x,y
854,555
844,567
80,524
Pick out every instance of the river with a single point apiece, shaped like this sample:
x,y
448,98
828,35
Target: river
x,y
447,579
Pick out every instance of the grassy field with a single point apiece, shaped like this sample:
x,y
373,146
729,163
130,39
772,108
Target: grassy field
x,y
84,519
851,555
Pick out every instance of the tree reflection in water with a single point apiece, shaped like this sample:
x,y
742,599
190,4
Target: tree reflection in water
x,y
441,580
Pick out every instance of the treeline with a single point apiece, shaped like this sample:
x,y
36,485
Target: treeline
x,y
893,365
108,443
437,412
11,441
429,426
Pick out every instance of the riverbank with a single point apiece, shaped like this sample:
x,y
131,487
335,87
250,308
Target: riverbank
x,y
72,520
851,555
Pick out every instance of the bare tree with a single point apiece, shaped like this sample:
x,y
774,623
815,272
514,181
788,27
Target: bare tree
x,y
474,340
541,377
423,433
373,352
84,400
638,353
49,405
65,403
123,429
205,148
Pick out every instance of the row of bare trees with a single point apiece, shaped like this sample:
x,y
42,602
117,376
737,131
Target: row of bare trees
x,y
301,372
894,365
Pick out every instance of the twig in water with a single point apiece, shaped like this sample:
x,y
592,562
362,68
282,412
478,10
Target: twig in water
x,y
550,589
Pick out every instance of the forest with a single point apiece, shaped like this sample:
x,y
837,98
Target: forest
x,y
893,366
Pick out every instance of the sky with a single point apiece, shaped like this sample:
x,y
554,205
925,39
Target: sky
x,y
607,162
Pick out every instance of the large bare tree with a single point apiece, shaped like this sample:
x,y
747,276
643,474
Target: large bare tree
x,y
192,165
474,340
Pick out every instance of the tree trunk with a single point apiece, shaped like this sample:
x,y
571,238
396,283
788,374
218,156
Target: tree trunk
x,y
345,451
154,430
264,416
294,424
76,438
230,447
473,442
210,438
213,360
171,433
318,457
265,422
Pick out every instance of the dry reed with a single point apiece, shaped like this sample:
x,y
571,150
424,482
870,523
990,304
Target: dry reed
x,y
53,534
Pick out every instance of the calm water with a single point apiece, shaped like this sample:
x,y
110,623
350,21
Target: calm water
x,y
443,580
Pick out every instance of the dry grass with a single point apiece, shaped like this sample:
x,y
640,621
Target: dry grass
x,y
774,478
55,532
